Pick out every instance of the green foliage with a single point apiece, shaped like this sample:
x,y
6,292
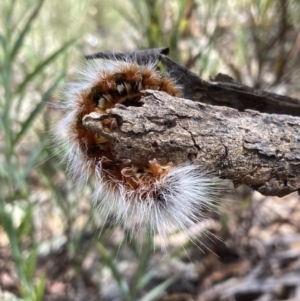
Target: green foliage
x,y
142,275
17,123
25,266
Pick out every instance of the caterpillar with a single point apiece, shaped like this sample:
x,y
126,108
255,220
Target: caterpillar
x,y
165,196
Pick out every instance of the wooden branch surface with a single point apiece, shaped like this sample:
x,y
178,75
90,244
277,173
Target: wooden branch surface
x,y
252,148
248,147
224,91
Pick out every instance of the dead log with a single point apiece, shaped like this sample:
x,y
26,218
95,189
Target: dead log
x,y
257,149
220,91
224,91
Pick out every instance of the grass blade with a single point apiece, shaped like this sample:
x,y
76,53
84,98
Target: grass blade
x,y
30,164
40,289
44,64
8,11
18,44
30,265
160,289
2,42
144,280
133,243
7,224
147,250
26,125
108,261
26,223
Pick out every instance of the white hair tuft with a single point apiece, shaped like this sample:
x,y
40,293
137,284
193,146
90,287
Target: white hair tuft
x,y
165,197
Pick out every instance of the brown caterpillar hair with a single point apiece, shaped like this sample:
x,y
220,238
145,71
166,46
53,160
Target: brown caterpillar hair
x,y
164,196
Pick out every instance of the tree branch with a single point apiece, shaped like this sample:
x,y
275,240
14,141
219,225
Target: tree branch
x,y
257,149
224,91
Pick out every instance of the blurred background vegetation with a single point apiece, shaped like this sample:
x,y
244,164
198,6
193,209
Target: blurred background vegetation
x,y
50,246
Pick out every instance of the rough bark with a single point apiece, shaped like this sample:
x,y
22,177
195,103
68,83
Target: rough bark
x,y
248,147
257,149
224,91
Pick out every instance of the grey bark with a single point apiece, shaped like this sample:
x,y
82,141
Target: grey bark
x,y
224,91
257,149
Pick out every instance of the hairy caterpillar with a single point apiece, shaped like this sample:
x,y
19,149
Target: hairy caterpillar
x,y
167,197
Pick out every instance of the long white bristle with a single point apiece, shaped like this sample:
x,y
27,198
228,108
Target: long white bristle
x,y
184,192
